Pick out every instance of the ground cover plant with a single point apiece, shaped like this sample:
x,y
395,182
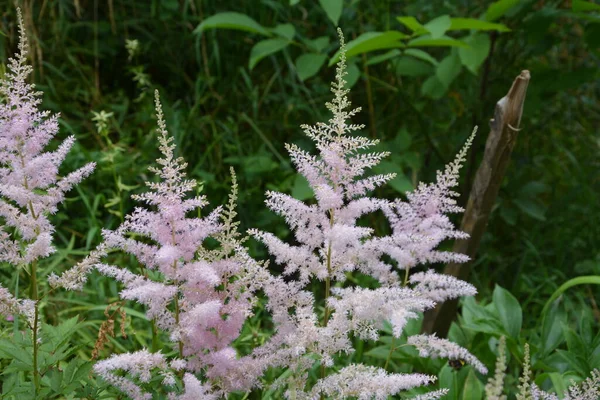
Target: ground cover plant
x,y
333,307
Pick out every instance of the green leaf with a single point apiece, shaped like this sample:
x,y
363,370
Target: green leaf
x,y
265,48
353,75
410,66
509,311
400,183
422,55
294,2
333,9
10,350
370,41
476,24
558,382
308,65
531,207
301,190
579,6
473,56
499,8
438,26
384,57
285,30
428,41
448,69
580,280
412,24
319,44
232,20
433,88
473,388
551,331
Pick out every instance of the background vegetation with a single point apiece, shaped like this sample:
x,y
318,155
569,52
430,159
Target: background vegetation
x,y
232,101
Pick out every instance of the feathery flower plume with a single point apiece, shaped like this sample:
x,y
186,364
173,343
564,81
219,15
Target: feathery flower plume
x,y
495,385
331,246
30,185
200,296
432,346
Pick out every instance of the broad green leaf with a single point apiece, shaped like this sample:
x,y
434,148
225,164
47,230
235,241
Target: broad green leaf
x,y
384,57
285,30
448,69
476,24
265,48
400,183
232,20
422,55
531,207
558,382
10,350
301,190
371,41
294,2
473,56
333,9
353,75
579,6
580,280
308,65
433,88
473,388
552,335
319,44
438,26
410,66
380,352
499,8
509,311
412,24
428,41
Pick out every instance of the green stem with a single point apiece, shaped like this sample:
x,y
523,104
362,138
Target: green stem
x,y
327,312
34,297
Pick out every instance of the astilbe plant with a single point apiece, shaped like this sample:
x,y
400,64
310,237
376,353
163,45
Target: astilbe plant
x,y
332,246
30,186
200,296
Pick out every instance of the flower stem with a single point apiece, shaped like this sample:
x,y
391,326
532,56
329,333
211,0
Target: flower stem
x,y
34,296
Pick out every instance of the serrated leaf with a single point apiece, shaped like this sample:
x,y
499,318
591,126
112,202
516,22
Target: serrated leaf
x,y
10,350
232,20
509,311
286,31
499,8
308,65
333,9
265,48
448,69
438,26
473,56
371,41
476,24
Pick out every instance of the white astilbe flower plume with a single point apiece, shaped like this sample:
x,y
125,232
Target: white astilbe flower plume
x,y
495,385
331,247
365,383
432,346
589,389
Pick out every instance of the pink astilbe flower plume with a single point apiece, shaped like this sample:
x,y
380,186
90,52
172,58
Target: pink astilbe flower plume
x,y
331,246
200,297
30,185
